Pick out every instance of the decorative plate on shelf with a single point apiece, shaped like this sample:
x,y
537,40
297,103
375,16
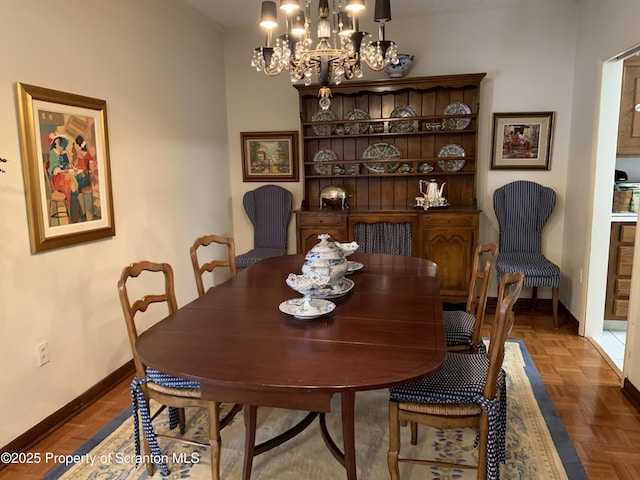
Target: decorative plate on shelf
x,y
458,108
452,150
356,128
402,126
324,156
323,116
451,165
381,151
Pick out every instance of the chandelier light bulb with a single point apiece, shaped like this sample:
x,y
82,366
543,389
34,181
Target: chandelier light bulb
x,y
289,6
355,5
269,15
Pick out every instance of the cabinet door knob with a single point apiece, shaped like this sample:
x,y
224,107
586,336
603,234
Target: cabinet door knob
x,y
637,107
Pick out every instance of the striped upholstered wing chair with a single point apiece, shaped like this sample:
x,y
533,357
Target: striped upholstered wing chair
x,y
269,209
522,209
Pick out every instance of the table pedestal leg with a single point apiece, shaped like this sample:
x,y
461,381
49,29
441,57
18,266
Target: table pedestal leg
x,y
214,438
348,433
250,416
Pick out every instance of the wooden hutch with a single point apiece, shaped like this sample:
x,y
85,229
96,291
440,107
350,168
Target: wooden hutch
x,y
377,141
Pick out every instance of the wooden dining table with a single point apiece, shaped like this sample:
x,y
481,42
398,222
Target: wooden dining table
x,y
387,330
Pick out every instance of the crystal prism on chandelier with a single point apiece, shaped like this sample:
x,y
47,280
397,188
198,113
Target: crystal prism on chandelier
x,y
338,51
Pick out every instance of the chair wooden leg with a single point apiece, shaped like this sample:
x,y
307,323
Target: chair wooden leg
x,y
181,420
483,447
414,433
555,307
214,438
394,441
534,298
250,420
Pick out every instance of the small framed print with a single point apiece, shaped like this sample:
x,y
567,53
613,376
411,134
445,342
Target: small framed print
x,y
522,141
270,156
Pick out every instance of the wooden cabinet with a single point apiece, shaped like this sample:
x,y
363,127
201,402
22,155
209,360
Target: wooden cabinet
x,y
311,224
629,123
619,274
447,239
378,140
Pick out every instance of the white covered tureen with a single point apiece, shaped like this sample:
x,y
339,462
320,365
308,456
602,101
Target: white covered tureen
x,y
328,258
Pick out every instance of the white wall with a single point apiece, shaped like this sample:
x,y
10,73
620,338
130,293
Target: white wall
x,y
526,51
606,29
158,65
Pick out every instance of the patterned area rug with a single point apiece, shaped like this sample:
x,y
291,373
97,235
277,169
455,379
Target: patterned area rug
x,y
537,444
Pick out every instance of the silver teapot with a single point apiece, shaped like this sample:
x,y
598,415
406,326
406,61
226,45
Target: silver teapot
x,y
432,192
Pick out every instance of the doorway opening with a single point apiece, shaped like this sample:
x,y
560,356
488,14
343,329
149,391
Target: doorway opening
x,y
606,322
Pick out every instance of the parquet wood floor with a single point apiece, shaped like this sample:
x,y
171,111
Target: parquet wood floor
x,y
603,425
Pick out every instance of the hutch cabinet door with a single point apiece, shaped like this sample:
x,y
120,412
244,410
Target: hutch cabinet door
x,y
449,240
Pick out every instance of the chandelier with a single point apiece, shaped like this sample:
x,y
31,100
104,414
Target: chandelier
x,y
339,50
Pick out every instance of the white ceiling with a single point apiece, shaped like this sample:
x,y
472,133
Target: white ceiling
x,y
240,13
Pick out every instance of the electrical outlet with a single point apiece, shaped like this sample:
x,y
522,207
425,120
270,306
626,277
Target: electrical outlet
x,y
43,353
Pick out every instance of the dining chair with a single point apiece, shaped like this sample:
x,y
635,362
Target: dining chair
x,y
522,209
269,208
469,390
462,327
150,384
199,269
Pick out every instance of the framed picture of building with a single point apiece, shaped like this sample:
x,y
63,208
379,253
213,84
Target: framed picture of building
x,y
270,156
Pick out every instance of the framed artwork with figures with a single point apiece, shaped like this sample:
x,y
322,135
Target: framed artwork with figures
x,y
522,140
65,154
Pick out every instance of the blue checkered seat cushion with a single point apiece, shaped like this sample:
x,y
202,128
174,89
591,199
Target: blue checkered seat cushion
x,y
538,270
461,381
458,329
165,383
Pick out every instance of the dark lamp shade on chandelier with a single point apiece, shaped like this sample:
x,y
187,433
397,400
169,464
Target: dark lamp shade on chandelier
x,y
335,54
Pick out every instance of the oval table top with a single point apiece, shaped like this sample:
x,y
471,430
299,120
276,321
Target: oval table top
x,y
386,331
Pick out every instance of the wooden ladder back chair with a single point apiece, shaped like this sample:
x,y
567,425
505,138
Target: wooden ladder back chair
x,y
167,390
462,328
200,269
469,390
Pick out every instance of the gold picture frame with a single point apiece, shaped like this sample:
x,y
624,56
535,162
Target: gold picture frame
x,y
522,141
65,156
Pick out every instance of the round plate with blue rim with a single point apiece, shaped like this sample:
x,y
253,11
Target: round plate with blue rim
x,y
458,108
316,308
356,128
323,116
324,156
402,126
381,151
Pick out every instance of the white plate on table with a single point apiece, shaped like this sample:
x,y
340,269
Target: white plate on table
x,y
295,308
354,266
